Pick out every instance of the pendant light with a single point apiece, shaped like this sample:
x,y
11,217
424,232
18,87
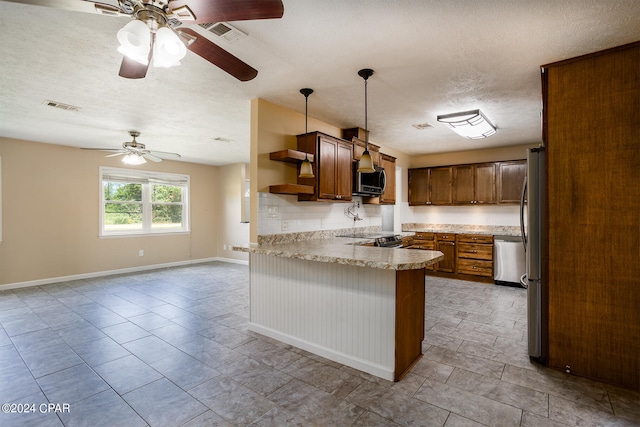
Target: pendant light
x,y
365,165
306,171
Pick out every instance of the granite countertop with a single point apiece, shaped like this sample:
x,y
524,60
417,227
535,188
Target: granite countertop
x,y
349,251
493,230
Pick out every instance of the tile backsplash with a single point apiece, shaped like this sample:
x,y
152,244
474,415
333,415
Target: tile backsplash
x,y
282,213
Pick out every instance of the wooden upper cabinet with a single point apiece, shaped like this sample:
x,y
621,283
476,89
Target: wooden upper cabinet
x,y
440,185
474,184
430,186
477,183
388,163
464,182
510,181
485,183
333,179
418,186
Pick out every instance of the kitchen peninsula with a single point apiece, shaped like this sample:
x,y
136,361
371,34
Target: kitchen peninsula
x,y
358,305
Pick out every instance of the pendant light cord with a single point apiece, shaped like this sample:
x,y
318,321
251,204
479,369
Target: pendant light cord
x,y
366,127
306,127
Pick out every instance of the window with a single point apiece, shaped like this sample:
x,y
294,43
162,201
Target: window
x,y
143,202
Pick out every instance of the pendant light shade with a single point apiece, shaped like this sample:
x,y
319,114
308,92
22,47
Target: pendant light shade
x,y
365,165
306,169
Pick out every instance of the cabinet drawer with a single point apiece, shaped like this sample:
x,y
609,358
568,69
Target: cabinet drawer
x,y
475,267
427,246
475,251
475,238
446,237
424,235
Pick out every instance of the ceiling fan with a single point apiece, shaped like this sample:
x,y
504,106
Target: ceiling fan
x,y
157,35
136,153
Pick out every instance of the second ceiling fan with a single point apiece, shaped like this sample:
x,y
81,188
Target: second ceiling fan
x,y
157,34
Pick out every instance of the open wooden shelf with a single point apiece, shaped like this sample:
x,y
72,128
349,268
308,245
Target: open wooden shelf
x,y
289,156
291,189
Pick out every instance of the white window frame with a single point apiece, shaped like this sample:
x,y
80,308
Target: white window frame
x,y
146,178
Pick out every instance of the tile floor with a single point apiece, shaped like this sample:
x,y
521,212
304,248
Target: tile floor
x,y
171,348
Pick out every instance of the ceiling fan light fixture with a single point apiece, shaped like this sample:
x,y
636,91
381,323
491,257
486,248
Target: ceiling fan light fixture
x,y
168,49
469,124
133,159
135,41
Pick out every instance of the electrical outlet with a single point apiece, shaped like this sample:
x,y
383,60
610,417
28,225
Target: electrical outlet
x,y
141,252
285,225
224,247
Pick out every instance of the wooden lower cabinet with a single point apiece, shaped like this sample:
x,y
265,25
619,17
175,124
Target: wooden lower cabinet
x,y
446,243
474,255
425,241
466,256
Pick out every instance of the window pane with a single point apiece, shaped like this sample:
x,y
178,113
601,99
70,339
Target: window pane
x,y
123,192
166,193
122,216
166,216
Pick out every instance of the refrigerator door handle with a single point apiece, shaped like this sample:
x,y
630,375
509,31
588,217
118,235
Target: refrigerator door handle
x,y
522,202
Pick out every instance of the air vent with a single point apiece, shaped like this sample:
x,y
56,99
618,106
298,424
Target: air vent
x,y
224,31
61,105
423,126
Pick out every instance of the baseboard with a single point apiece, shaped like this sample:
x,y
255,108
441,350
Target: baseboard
x,y
354,362
51,280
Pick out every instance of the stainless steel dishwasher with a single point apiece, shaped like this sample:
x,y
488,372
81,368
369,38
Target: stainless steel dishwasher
x,y
509,259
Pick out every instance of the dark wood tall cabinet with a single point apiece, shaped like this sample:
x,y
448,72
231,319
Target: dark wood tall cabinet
x,y
591,129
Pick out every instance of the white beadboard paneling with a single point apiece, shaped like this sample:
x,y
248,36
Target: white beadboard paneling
x,y
341,312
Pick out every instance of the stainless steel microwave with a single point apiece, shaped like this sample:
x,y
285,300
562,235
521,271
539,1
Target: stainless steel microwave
x,y
369,184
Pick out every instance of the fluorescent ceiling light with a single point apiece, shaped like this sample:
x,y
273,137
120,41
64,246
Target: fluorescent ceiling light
x,y
470,124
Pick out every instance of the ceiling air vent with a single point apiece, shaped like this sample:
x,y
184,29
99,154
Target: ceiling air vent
x,y
423,126
61,105
224,31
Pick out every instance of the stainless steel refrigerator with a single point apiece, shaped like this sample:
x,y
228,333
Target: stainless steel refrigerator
x,y
532,213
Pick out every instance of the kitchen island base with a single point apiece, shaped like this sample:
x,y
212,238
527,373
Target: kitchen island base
x,y
370,319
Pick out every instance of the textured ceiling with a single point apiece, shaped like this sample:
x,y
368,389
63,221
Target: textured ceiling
x,y
429,57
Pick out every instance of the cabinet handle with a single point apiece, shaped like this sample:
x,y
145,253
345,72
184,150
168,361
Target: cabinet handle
x,y
475,252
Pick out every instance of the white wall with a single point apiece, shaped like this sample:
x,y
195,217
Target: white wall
x,y
280,213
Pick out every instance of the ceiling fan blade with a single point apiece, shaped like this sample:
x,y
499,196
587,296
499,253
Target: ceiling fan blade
x,y
207,11
106,7
112,150
165,156
219,57
132,69
116,154
151,157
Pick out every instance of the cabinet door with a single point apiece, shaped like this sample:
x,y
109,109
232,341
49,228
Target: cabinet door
x,y
485,183
448,248
388,163
327,162
510,180
418,186
344,176
440,185
463,184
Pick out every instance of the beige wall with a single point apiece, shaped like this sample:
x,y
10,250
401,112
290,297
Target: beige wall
x,y
50,215
232,231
